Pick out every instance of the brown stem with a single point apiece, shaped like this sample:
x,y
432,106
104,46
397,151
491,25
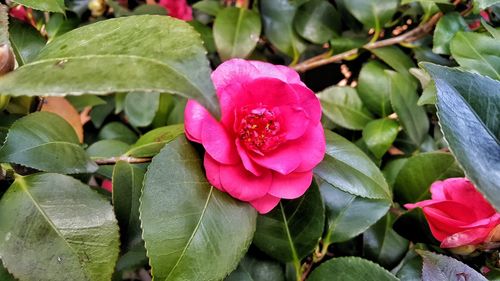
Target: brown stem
x,y
113,160
407,37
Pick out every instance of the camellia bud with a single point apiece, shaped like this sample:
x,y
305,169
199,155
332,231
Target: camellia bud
x,y
7,59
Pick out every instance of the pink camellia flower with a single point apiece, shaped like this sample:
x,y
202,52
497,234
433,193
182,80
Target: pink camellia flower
x,y
177,9
269,137
458,215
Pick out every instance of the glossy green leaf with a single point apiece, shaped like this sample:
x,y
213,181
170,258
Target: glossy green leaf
x,y
46,142
206,33
476,52
373,14
59,24
420,171
391,170
140,107
236,32
45,5
53,227
374,88
379,135
382,244
446,28
117,131
292,230
4,274
80,102
277,16
495,32
468,110
397,59
343,106
87,60
483,4
186,222
349,215
150,9
410,268
350,269
443,268
153,141
127,188
210,7
317,21
252,268
25,40
404,100
347,168
107,149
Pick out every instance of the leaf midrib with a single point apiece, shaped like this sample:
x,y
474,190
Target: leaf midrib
x,y
188,243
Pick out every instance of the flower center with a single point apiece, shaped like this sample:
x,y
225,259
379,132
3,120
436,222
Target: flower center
x,y
259,130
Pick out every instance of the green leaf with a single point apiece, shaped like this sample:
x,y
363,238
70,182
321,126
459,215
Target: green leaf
x,y
206,33
350,269
25,40
60,24
292,230
483,4
277,16
397,59
404,100
379,135
317,21
236,32
117,131
46,142
45,5
420,171
169,58
495,32
382,244
210,7
60,225
410,268
391,170
343,106
186,222
347,168
443,268
468,110
141,107
373,14
150,9
127,188
80,102
106,149
349,215
153,141
4,274
252,268
476,52
446,28
374,88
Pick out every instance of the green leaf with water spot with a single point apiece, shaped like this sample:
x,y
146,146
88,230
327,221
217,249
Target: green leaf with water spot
x,y
60,225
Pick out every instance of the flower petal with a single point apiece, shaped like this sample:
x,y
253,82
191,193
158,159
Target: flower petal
x,y
300,155
195,115
243,185
290,186
265,204
247,162
310,102
212,169
293,121
218,143
467,237
463,191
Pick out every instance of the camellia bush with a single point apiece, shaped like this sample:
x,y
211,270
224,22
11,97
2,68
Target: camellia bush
x,y
263,140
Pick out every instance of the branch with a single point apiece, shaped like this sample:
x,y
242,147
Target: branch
x,y
113,160
407,37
